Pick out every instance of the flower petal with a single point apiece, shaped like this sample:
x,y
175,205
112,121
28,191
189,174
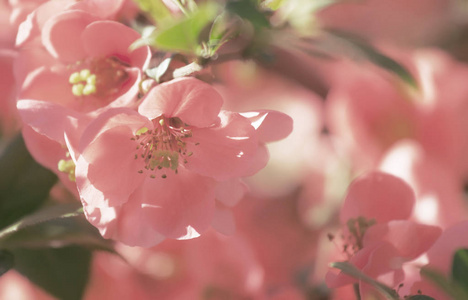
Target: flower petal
x,y
270,125
225,151
61,35
196,103
179,206
109,38
378,196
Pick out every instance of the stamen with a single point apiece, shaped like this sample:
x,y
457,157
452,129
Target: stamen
x,y
83,83
161,147
67,166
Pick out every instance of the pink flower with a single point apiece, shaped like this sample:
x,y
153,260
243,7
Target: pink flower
x,y
146,176
72,81
380,239
440,258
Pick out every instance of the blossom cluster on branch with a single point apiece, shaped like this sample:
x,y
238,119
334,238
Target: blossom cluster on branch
x,y
233,149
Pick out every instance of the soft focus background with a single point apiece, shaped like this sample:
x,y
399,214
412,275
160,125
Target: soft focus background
x,y
372,85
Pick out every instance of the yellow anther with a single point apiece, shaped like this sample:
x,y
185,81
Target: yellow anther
x,y
141,130
89,89
77,89
67,166
161,122
85,73
91,79
74,78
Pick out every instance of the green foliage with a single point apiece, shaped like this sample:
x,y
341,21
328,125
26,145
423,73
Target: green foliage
x,y
156,9
63,272
273,4
183,35
24,184
460,269
351,270
6,261
247,10
355,47
419,297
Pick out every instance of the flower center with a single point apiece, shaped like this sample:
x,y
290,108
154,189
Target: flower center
x,y
103,77
67,166
164,146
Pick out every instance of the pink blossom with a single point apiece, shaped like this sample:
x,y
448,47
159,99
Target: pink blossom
x,y
440,257
212,266
72,82
380,239
171,156
439,191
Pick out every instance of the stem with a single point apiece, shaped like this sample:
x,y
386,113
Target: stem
x,y
356,291
196,67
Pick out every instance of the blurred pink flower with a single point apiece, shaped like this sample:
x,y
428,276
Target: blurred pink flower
x,y
440,258
146,176
379,239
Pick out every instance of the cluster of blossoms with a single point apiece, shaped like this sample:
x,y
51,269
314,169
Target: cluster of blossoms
x,y
171,164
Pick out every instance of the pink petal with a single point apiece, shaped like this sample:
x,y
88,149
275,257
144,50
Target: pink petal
x,y
133,227
107,169
104,9
270,125
61,35
179,206
231,192
48,118
196,103
409,238
378,196
108,38
223,220
225,151
38,86
452,239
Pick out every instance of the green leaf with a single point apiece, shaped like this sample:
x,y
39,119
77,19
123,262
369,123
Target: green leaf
x,y
460,269
24,184
449,287
6,261
156,9
184,36
247,10
62,272
419,297
367,51
54,226
273,4
351,270
224,29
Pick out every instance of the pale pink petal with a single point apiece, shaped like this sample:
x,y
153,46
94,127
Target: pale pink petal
x,y
231,192
48,118
48,153
107,169
452,239
61,35
223,220
225,151
260,161
378,196
45,85
133,226
104,9
196,103
409,238
109,38
270,125
179,206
